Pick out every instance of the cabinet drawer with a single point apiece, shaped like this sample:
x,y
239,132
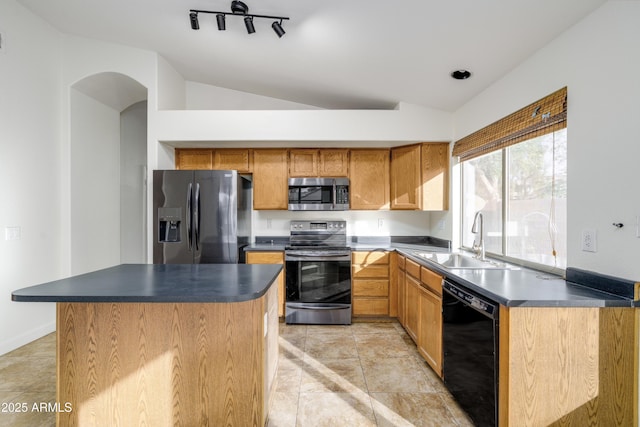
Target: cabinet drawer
x,y
359,271
370,288
401,262
370,258
431,280
370,306
265,258
413,268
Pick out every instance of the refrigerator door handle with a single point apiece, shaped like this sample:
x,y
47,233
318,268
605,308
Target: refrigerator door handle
x,y
189,238
196,218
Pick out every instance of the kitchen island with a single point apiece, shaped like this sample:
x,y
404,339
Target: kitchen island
x,y
164,345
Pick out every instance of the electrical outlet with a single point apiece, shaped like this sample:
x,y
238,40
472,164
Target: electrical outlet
x,y
589,240
380,223
3,42
269,223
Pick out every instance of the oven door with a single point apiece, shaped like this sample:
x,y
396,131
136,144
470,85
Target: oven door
x,y
318,288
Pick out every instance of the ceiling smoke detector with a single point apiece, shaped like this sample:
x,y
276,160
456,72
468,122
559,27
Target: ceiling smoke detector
x,y
461,74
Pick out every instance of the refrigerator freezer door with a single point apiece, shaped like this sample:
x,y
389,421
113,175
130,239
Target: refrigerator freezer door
x,y
215,217
172,224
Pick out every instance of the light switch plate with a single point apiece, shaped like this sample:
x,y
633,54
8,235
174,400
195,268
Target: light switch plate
x,y
3,42
12,233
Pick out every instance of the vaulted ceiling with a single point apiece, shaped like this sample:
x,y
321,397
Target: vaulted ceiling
x,y
338,54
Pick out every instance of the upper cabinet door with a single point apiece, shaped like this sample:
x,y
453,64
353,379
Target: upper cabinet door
x,y
303,162
435,176
189,158
232,159
334,162
369,178
270,185
405,177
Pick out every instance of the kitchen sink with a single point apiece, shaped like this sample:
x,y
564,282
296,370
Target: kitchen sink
x,y
463,261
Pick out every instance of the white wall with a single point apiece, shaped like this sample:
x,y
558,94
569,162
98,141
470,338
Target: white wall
x,y
206,97
359,223
95,184
133,180
30,183
596,59
408,123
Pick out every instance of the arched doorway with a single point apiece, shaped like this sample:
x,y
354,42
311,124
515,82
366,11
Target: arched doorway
x,y
108,159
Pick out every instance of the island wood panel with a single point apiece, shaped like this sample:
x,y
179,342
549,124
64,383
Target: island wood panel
x,y
162,364
568,366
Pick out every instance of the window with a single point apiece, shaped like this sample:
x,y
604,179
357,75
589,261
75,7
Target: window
x,y
522,192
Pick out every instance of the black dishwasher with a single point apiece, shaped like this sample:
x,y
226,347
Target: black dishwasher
x,y
470,347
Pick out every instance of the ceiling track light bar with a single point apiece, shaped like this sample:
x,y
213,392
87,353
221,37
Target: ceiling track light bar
x,y
279,18
238,8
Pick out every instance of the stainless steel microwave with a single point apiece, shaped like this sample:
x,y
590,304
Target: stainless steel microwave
x,y
318,194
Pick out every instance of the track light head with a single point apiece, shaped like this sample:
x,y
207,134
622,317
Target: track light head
x,y
221,22
248,22
277,27
193,17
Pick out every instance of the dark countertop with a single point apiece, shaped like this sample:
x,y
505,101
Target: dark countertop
x,y
159,283
524,287
512,288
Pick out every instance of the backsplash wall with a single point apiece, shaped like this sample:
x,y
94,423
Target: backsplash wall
x,y
359,223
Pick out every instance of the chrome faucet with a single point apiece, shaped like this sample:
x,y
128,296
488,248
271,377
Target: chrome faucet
x,y
478,228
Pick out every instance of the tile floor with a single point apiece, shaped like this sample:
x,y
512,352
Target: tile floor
x,y
28,376
365,374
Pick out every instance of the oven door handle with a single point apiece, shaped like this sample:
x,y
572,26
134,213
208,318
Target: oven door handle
x,y
311,306
317,257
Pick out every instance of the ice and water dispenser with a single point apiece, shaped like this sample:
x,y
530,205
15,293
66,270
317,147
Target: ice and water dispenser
x,y
169,224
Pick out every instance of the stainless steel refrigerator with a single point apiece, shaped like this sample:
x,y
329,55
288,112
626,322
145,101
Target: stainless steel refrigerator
x,y
200,216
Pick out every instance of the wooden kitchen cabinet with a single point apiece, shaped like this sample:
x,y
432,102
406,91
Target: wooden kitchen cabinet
x,y
232,159
271,257
323,162
369,179
370,283
334,162
218,159
430,319
190,158
303,162
412,307
270,185
405,177
402,289
435,176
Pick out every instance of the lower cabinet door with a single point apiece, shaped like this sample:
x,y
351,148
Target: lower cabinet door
x,y
430,331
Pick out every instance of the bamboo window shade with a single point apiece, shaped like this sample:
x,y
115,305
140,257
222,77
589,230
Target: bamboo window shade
x,y
539,118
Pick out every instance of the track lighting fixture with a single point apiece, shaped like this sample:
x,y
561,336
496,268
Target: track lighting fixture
x,y
221,22
277,27
238,8
248,22
193,16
